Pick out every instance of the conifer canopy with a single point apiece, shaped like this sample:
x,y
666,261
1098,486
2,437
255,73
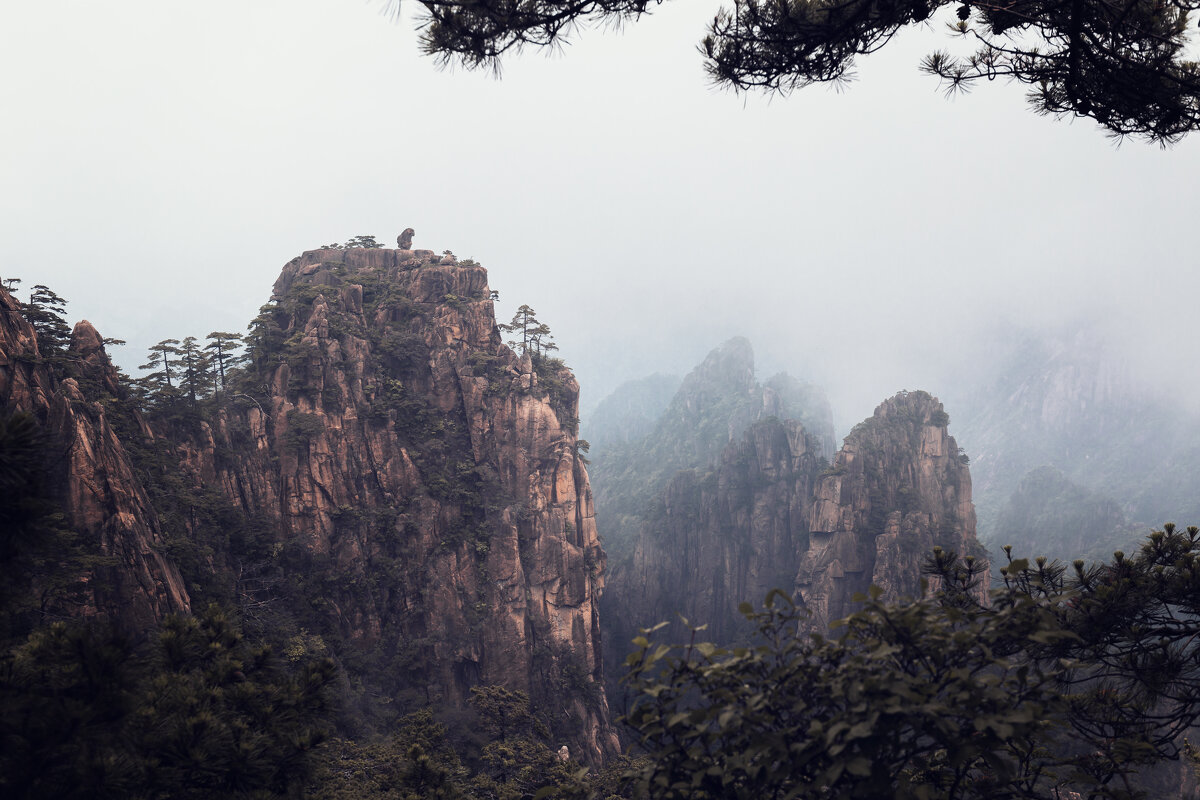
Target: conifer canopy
x,y
1123,63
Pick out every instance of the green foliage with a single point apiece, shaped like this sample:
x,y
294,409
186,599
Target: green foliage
x,y
552,377
163,364
224,354
196,378
833,470
264,341
66,698
180,379
907,700
21,444
404,350
367,242
533,337
415,761
500,752
44,312
197,712
1057,683
302,429
519,759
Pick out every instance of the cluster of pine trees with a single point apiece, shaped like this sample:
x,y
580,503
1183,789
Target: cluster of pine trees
x,y
186,369
175,370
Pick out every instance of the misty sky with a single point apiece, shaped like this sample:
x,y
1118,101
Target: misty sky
x,y
162,160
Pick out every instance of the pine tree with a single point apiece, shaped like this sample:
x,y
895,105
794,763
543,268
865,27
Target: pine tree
x,y
224,353
41,557
264,338
195,712
1127,64
525,322
541,341
195,371
44,311
164,363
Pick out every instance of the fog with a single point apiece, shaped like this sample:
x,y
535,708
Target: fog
x,y
163,160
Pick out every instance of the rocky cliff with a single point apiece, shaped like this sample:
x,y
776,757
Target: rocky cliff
x,y
422,481
713,407
89,473
774,514
714,539
899,486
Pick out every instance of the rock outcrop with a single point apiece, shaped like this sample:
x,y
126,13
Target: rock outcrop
x,y
717,538
712,408
90,475
898,487
426,477
773,514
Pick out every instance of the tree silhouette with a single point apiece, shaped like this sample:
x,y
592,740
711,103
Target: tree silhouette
x,y
44,311
1123,63
224,349
194,369
164,366
535,337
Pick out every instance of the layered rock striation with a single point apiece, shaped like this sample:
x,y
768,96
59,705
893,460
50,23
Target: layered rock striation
x,y
899,487
423,480
89,473
774,514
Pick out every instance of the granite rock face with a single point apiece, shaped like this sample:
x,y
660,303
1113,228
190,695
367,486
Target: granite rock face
x,y
430,472
774,514
716,539
898,487
90,473
712,408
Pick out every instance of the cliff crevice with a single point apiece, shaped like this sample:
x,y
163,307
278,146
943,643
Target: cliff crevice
x,y
427,475
89,472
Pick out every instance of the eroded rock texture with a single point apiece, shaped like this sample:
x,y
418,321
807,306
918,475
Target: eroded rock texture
x,y
89,471
773,514
425,476
898,487
716,539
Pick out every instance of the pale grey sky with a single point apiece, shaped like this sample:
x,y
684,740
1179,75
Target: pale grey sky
x,y
162,160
